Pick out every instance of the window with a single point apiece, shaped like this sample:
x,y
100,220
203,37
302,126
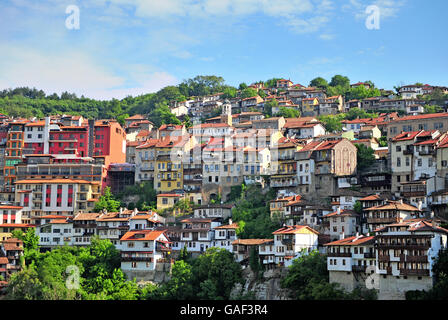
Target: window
x,y
398,162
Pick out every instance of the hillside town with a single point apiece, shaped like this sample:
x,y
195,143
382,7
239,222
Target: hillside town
x,y
371,195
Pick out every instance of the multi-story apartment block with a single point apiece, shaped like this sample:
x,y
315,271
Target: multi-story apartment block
x,y
225,235
413,157
322,161
198,234
276,206
114,225
342,223
427,122
283,166
11,251
390,212
14,148
145,160
406,253
84,228
222,211
55,196
290,241
142,251
242,249
168,172
351,260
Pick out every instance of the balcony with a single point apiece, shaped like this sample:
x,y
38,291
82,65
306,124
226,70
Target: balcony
x,y
417,258
408,246
84,225
427,152
133,258
414,272
287,242
369,255
381,220
383,258
340,254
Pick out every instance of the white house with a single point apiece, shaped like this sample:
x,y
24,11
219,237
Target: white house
x,y
142,250
289,241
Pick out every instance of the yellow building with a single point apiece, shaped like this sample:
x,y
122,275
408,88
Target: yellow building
x,y
168,200
6,229
168,171
284,165
308,105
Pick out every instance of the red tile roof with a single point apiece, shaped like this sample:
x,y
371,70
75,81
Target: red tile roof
x,y
353,241
344,213
293,230
148,235
252,242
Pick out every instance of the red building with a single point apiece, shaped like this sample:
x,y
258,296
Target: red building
x,y
70,140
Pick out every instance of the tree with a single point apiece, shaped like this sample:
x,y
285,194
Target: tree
x,y
319,82
288,112
308,279
432,108
364,157
261,93
355,113
358,207
107,201
229,93
179,287
269,106
249,93
332,123
24,285
215,273
254,261
163,115
242,86
339,80
271,83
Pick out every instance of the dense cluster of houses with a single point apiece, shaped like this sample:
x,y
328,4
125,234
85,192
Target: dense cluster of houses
x,y
380,226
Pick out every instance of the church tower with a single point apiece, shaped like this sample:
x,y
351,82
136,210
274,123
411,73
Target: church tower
x,y
226,116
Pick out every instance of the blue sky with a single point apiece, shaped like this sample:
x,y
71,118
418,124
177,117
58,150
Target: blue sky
x,y
131,47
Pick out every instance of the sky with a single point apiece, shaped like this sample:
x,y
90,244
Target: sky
x,y
133,47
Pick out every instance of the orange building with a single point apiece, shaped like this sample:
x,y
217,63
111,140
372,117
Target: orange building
x,y
14,148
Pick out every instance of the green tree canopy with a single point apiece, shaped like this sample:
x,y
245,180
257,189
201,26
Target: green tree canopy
x,y
107,201
319,82
365,157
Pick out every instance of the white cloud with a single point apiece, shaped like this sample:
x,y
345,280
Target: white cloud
x,y
73,72
327,36
302,16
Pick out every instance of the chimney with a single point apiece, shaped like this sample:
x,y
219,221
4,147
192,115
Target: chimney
x,y
420,204
432,215
121,210
342,236
339,210
230,221
401,201
135,211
